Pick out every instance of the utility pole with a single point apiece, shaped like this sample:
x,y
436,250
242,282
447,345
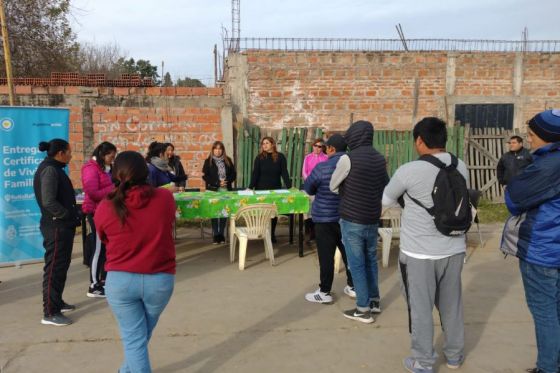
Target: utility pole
x,y
215,64
7,54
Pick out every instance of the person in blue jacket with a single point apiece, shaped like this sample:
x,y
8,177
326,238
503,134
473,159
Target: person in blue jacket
x,y
160,174
325,217
534,196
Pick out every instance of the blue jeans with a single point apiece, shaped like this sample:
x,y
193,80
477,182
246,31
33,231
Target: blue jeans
x,y
542,291
137,300
360,242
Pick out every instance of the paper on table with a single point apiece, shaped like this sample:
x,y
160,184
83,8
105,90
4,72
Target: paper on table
x,y
281,191
262,191
245,192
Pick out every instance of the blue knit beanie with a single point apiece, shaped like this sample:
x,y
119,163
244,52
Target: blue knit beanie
x,y
546,125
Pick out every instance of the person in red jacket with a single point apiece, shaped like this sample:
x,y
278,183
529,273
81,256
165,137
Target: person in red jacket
x,y
135,222
97,184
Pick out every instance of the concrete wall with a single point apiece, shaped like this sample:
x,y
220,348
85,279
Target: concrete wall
x,y
392,90
190,118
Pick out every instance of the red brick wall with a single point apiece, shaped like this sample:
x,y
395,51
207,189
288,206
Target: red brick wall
x,y
322,89
131,118
192,130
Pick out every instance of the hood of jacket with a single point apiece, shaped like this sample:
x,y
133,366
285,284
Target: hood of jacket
x,y
359,134
138,197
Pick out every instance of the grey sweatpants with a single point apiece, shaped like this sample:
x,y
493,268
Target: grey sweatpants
x,y
426,283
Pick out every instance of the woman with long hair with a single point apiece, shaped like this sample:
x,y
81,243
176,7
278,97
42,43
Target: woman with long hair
x,y
175,165
160,174
135,222
97,184
269,169
218,172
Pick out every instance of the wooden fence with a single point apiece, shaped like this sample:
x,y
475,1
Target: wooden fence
x,y
485,147
295,143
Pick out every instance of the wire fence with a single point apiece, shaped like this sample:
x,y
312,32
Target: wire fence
x,y
389,45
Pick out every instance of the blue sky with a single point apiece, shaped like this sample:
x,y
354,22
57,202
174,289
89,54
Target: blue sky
x,y
182,33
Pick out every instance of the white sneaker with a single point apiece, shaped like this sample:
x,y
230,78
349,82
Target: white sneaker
x,y
349,291
318,297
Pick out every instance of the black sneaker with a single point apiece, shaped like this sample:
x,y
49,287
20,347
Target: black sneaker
x,y
67,307
96,292
56,320
215,240
375,306
361,316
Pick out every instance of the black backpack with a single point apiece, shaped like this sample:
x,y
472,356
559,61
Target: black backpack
x,y
452,207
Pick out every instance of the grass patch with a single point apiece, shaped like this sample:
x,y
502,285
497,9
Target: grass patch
x,y
489,212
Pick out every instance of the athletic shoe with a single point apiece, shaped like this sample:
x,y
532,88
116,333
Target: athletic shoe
x,y
56,320
413,366
318,297
374,306
67,307
349,291
96,292
455,363
361,316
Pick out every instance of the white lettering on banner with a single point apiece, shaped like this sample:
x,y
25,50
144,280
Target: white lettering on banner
x,y
19,150
23,161
18,184
19,197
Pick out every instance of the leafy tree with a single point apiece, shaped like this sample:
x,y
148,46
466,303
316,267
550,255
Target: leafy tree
x,y
188,82
141,67
167,81
41,39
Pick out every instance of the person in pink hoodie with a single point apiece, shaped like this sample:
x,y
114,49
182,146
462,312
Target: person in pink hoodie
x,y
311,160
97,184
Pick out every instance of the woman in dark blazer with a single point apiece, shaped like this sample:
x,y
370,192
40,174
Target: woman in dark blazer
x,y
269,169
219,174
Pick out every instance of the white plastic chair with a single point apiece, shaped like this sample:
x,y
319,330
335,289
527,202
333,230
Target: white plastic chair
x,y
387,234
257,227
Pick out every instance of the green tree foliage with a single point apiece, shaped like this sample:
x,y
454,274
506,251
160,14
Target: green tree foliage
x,y
188,82
167,81
41,39
141,67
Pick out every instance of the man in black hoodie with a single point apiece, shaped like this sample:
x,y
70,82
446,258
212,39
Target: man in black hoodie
x,y
360,178
59,217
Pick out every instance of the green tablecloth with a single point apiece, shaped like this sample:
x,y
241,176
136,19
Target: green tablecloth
x,y
205,205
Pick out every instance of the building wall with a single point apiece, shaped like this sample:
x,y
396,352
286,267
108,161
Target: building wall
x,y
272,89
190,118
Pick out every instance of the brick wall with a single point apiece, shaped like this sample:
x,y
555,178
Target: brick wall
x,y
392,90
131,118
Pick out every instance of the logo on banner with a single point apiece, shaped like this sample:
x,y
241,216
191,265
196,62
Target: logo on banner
x,y
6,124
11,233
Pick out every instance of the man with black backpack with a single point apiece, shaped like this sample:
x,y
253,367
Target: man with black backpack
x,y
435,218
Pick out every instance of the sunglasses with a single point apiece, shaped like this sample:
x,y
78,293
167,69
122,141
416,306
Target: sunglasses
x,y
317,146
